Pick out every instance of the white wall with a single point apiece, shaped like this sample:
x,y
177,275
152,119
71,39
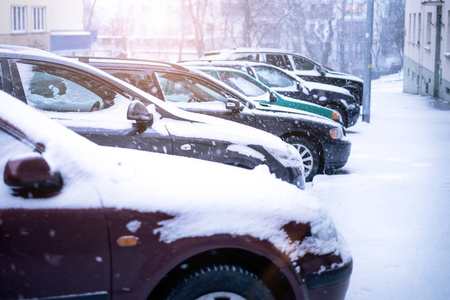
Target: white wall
x,y
61,14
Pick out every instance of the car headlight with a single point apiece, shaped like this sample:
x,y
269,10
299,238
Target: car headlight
x,y
336,133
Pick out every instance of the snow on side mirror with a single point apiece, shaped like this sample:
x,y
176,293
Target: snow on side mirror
x,y
273,97
139,113
234,105
322,71
30,177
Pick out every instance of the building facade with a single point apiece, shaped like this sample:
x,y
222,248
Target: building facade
x,y
52,25
427,48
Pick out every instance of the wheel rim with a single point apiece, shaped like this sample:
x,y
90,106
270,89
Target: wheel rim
x,y
221,296
307,158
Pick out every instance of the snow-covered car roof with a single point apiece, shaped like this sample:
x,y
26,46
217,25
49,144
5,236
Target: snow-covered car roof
x,y
212,127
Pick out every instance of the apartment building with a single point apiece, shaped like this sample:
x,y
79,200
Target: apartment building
x,y
427,48
52,25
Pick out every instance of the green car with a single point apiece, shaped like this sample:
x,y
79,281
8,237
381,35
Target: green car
x,y
257,91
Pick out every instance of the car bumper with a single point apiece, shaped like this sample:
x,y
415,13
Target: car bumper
x,y
353,115
292,175
330,277
336,153
324,277
330,284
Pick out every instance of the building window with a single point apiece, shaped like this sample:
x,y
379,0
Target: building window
x,y
39,18
18,19
414,29
354,9
419,29
409,28
428,37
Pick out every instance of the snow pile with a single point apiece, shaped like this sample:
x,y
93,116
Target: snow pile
x,y
390,201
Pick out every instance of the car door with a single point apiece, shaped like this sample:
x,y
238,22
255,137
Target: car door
x,y
53,245
195,94
85,104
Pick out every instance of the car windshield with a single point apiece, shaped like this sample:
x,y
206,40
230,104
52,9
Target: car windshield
x,y
185,88
273,77
242,83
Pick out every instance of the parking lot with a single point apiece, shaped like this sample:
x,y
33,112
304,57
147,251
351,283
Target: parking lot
x,y
390,202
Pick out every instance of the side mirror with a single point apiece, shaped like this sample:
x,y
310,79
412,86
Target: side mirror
x,y
273,97
322,71
139,113
234,105
31,177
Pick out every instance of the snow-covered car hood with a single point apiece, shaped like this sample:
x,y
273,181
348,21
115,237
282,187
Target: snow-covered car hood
x,y
205,198
326,87
310,85
281,110
335,74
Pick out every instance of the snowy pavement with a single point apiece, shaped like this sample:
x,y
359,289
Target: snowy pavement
x,y
391,202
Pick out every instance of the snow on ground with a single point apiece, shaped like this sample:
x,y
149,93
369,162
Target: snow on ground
x,y
391,201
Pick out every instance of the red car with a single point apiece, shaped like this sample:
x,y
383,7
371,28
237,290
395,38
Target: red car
x,y
81,221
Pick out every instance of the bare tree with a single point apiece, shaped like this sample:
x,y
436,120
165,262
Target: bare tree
x,y
121,26
391,30
263,22
197,9
295,24
341,13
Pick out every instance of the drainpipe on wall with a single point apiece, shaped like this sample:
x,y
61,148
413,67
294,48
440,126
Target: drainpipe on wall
x,y
437,55
368,63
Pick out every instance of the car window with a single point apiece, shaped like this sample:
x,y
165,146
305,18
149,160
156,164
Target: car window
x,y
138,78
54,89
273,77
241,83
185,88
302,64
279,60
245,56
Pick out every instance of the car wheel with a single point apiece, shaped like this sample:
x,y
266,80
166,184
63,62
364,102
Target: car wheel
x,y
309,154
221,282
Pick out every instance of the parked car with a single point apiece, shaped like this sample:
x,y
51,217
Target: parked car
x,y
112,113
259,92
321,142
78,220
302,66
287,84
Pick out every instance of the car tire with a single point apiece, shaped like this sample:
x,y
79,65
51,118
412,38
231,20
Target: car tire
x,y
309,154
221,282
